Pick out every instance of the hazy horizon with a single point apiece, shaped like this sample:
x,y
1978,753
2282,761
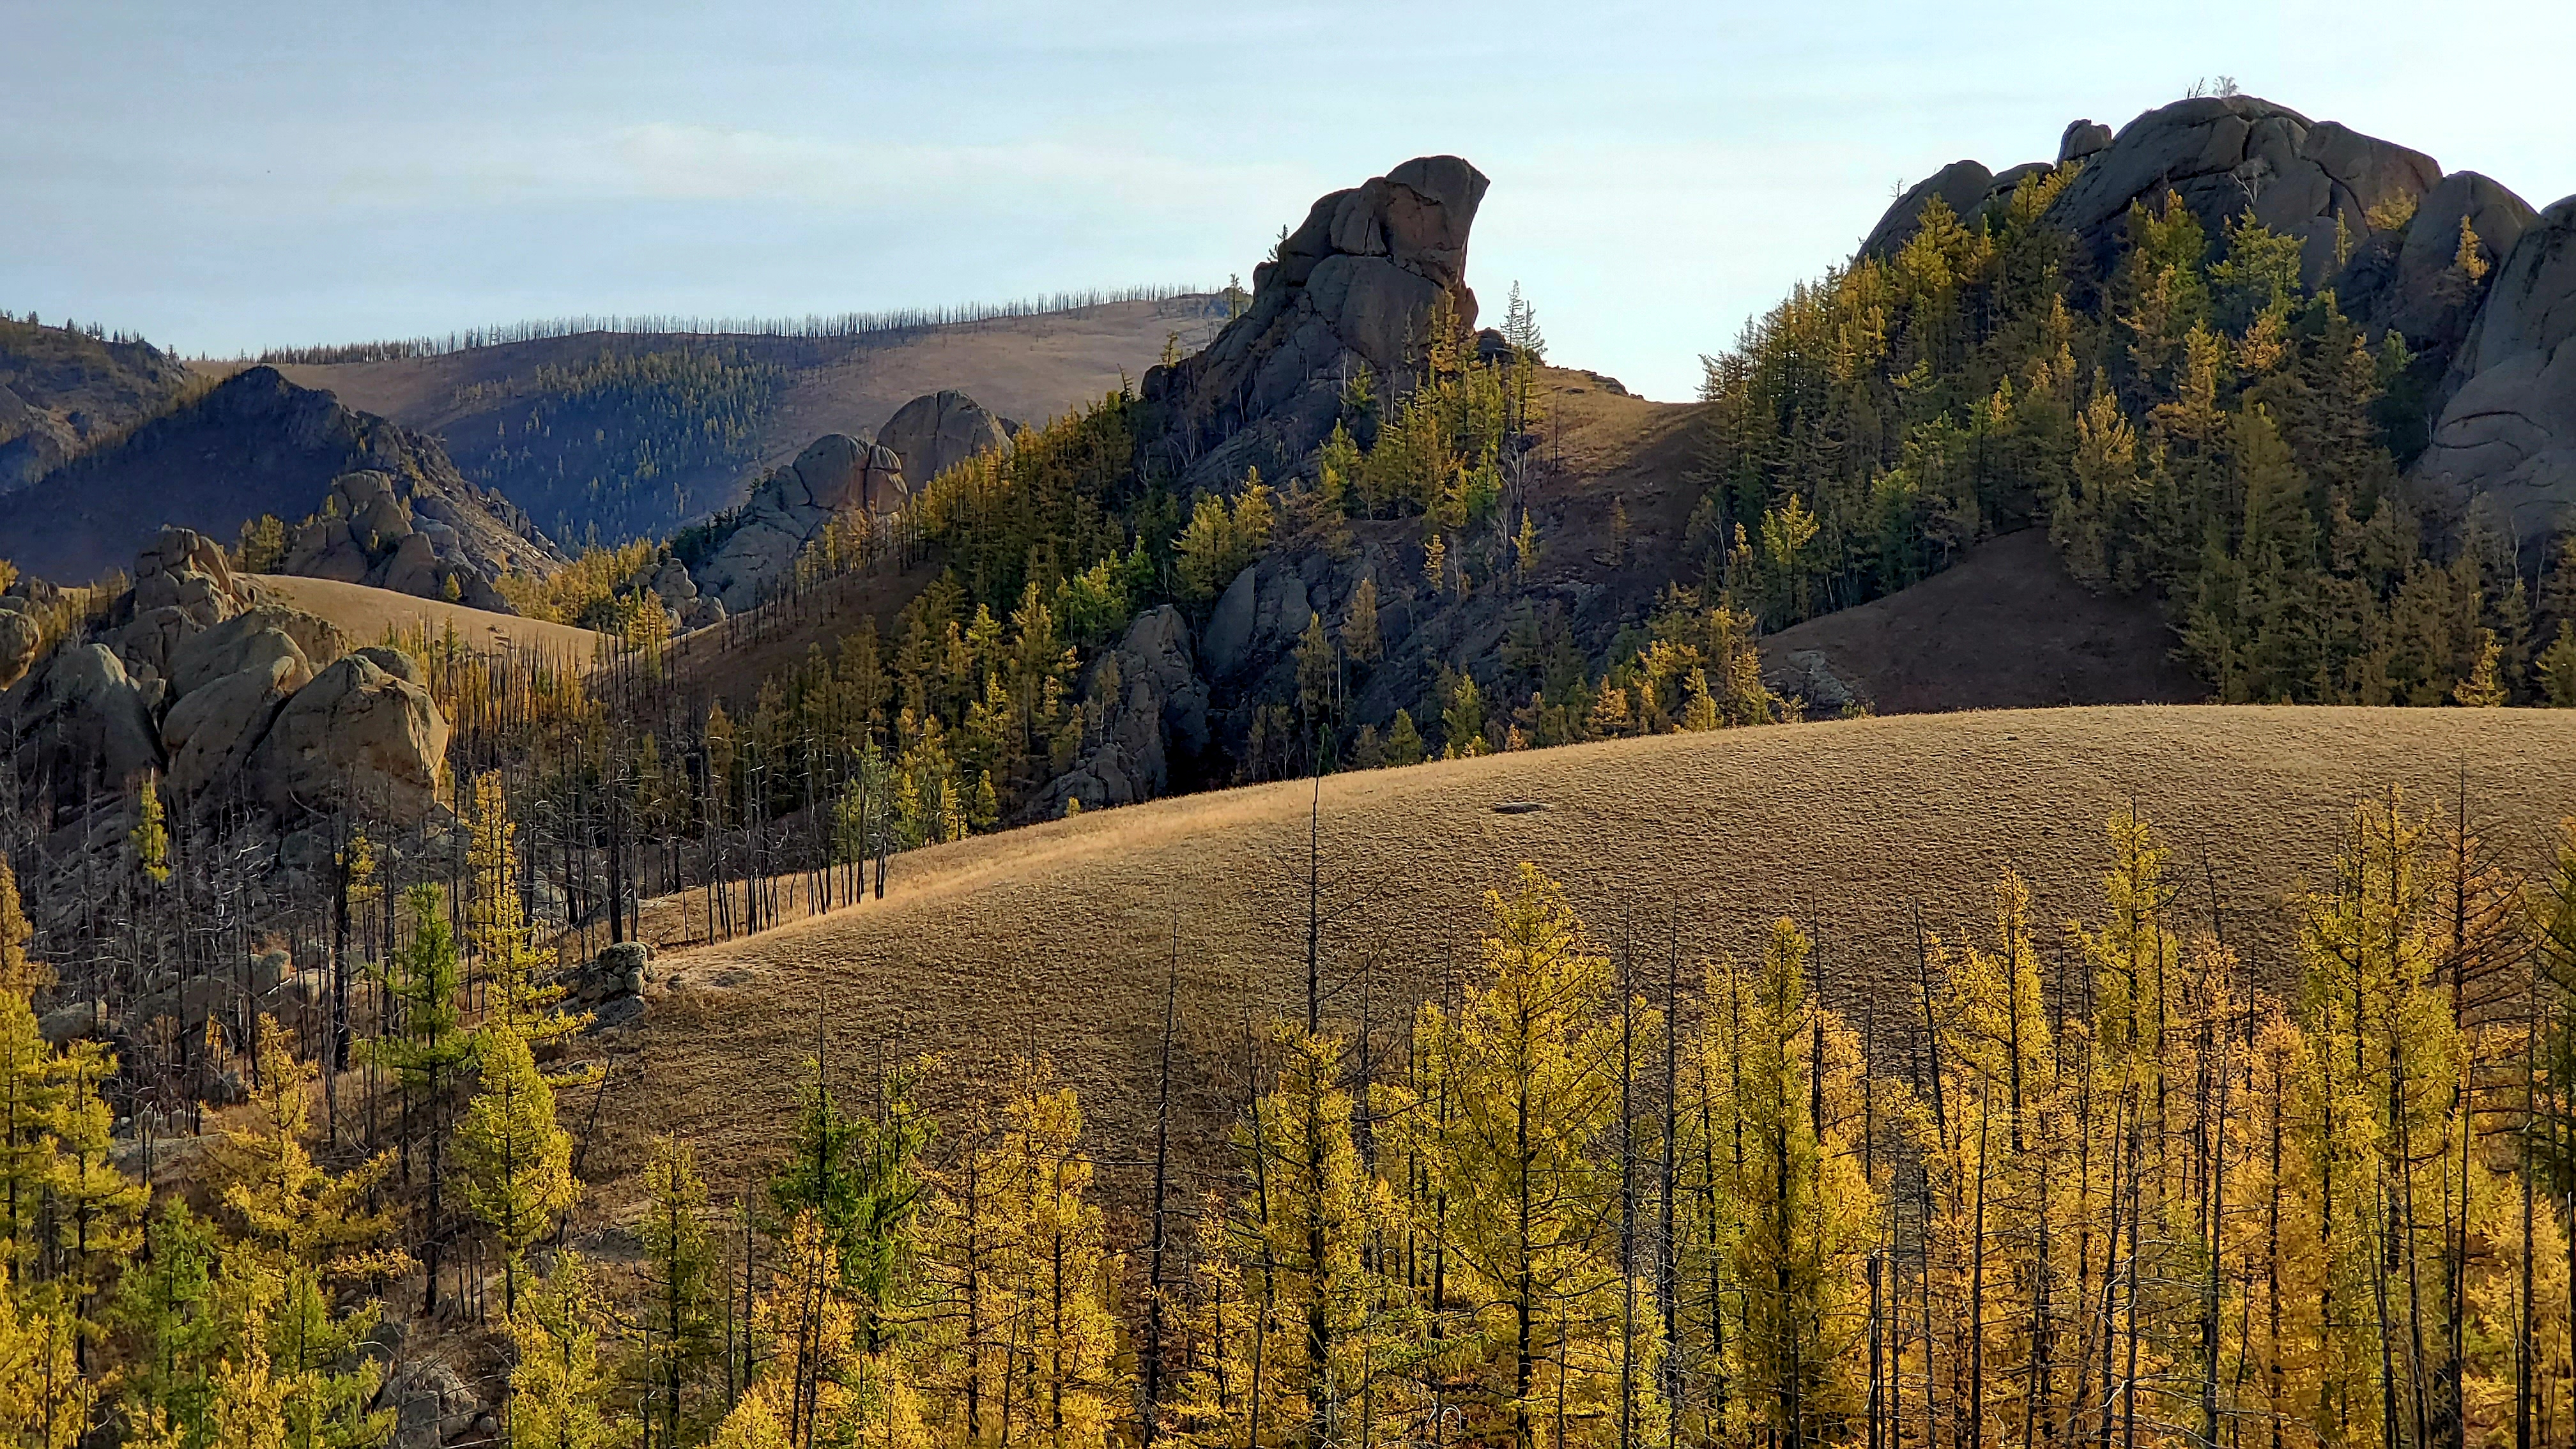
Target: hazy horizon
x,y
292,174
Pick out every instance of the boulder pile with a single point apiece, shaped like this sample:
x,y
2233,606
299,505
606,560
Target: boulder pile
x,y
368,533
202,677
755,549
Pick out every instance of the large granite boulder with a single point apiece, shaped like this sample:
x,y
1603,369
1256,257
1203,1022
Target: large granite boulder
x,y
1259,616
212,730
360,731
937,431
2225,154
1962,185
836,474
84,725
22,637
1356,285
2507,437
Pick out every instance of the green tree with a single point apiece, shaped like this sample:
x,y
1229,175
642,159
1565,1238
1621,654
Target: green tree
x,y
517,1160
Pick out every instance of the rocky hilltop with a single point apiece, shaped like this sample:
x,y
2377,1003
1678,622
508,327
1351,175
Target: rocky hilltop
x,y
257,444
1357,285
2382,226
198,676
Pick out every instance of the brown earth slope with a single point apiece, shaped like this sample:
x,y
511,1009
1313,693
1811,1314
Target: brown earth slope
x,y
1057,937
2006,627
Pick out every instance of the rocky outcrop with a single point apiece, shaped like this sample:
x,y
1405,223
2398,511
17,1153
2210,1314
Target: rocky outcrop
x,y
1961,185
22,637
1356,285
2507,437
2225,154
363,730
755,548
229,683
367,533
1147,702
2082,139
1260,614
937,431
667,579
2409,278
84,725
202,676
255,444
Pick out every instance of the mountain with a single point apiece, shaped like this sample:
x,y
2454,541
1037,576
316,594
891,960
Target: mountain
x,y
635,434
63,390
255,444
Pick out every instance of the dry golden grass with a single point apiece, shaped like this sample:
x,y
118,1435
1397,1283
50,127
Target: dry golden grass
x,y
367,615
1057,937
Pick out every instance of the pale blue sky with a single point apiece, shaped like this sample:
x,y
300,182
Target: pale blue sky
x,y
258,172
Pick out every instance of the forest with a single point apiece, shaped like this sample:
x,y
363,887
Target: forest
x,y
2092,1176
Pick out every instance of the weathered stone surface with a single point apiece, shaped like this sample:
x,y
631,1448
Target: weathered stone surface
x,y
937,431
21,636
1150,701
432,1407
84,725
836,474
183,586
1260,614
357,732
235,643
2082,138
1356,285
2507,438
2224,154
1961,184
213,729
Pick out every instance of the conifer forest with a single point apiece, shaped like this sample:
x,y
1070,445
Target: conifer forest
x,y
400,900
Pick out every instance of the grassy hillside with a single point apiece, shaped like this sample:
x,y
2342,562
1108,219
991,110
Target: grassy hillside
x,y
63,391
367,615
1058,937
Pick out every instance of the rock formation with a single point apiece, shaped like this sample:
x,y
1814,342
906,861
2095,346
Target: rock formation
x,y
939,430
1356,285
22,635
199,675
754,548
1149,700
667,579
2224,154
364,729
2507,436
368,533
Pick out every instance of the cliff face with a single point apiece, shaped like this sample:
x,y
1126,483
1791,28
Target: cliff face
x,y
1357,285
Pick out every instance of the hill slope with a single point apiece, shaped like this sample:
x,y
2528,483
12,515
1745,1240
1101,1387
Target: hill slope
x,y
601,394
254,444
2005,627
62,391
1058,937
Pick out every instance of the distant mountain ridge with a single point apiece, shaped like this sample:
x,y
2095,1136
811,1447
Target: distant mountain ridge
x,y
254,444
63,390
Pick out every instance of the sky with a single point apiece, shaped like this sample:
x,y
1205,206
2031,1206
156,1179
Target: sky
x,y
221,178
